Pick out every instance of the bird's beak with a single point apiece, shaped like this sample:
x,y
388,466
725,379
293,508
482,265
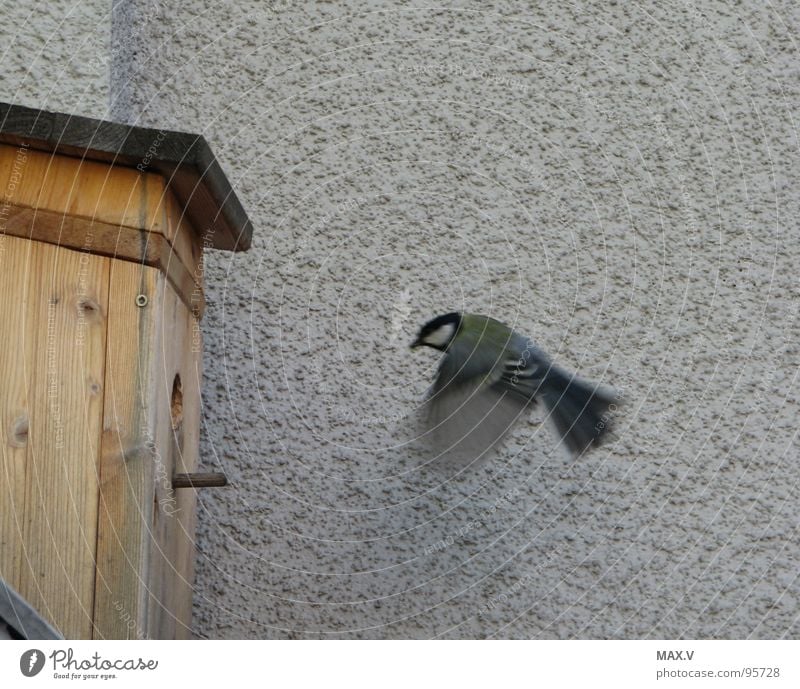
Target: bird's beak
x,y
416,343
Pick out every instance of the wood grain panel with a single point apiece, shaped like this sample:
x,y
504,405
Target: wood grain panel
x,y
17,349
127,457
61,479
178,435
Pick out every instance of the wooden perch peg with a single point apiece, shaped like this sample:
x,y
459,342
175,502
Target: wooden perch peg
x,y
199,480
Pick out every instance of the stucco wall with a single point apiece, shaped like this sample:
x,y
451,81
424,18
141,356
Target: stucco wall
x,y
56,55
618,180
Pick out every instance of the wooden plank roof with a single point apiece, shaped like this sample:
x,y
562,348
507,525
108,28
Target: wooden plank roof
x,y
185,160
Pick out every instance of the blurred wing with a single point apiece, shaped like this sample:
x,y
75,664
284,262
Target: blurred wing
x,y
468,412
468,421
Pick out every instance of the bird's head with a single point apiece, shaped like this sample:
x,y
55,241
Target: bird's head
x,y
439,332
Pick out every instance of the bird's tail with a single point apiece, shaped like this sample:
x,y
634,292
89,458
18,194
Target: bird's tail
x,y
580,411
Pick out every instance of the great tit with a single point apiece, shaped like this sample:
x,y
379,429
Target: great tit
x,y
490,376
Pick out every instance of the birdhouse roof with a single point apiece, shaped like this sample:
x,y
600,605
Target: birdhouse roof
x,y
185,160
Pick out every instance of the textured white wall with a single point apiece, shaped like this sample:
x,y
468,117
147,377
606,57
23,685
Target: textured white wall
x,y
56,55
619,180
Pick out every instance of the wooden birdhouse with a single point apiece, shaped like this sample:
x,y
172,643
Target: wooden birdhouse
x,y
102,233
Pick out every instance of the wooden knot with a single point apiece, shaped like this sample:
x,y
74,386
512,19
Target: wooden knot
x,y
88,308
18,433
